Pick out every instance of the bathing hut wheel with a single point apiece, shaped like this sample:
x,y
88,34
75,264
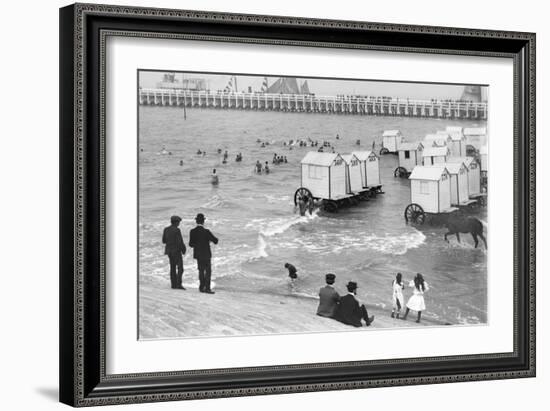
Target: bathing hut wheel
x,y
330,206
415,214
383,151
302,193
400,172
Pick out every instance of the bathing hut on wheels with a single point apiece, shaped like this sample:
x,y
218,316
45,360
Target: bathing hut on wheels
x,y
474,178
370,171
459,184
391,139
430,195
354,180
435,155
409,156
325,178
458,144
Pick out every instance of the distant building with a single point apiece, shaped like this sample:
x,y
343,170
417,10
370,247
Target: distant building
x,y
169,81
476,94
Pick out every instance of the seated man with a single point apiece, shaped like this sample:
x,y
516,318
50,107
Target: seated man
x,y
349,310
328,298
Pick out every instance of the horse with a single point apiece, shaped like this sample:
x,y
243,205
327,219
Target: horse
x,y
470,225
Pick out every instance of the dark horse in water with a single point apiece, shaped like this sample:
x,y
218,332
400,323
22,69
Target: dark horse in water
x,y
472,225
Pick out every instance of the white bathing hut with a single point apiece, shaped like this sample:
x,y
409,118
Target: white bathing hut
x,y
458,142
459,183
439,139
354,178
435,155
431,188
410,155
324,175
370,168
474,174
483,159
391,139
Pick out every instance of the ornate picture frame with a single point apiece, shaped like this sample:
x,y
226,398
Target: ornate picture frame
x,y
84,29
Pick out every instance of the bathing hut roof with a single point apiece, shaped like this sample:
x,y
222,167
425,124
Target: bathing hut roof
x,y
433,173
454,129
410,146
454,168
457,136
475,131
435,151
348,157
483,150
320,159
466,160
439,135
391,133
363,155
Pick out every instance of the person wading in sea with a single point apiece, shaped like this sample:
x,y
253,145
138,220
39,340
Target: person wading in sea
x,y
200,239
175,249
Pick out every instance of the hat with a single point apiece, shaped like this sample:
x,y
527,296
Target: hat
x,y
352,286
330,277
199,218
175,219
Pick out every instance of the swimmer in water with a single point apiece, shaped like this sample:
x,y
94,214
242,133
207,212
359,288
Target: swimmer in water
x,y
181,162
258,168
266,168
214,178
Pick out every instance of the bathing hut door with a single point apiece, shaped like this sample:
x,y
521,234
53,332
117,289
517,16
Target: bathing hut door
x,y
338,178
444,192
354,180
474,178
372,166
459,183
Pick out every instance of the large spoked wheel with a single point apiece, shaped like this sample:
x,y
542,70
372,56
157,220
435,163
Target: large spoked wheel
x,y
302,194
400,172
415,214
330,206
383,151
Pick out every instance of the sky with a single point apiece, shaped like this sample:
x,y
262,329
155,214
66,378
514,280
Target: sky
x,y
327,87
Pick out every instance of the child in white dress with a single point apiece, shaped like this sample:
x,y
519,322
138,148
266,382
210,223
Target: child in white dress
x,y
416,302
397,297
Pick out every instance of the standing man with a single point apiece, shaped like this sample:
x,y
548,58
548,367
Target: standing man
x,y
328,298
175,249
200,239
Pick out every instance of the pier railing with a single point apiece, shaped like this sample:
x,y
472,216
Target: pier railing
x,y
309,103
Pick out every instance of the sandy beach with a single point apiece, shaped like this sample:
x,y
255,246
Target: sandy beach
x,y
167,313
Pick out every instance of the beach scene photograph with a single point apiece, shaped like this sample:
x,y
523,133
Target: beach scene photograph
x,y
274,204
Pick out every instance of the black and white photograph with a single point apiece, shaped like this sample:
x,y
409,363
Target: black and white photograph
x,y
275,204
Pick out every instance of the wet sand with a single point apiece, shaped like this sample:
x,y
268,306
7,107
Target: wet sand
x,y
167,313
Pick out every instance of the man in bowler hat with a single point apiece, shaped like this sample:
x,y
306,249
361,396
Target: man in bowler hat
x,y
350,311
175,249
200,239
328,298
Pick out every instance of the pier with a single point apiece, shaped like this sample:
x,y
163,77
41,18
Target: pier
x,y
309,103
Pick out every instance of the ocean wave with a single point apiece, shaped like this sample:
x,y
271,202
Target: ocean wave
x,y
273,227
216,201
326,243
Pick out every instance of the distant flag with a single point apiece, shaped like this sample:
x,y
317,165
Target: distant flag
x,y
264,85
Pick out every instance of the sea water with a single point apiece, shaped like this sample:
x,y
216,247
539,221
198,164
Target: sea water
x,y
254,218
